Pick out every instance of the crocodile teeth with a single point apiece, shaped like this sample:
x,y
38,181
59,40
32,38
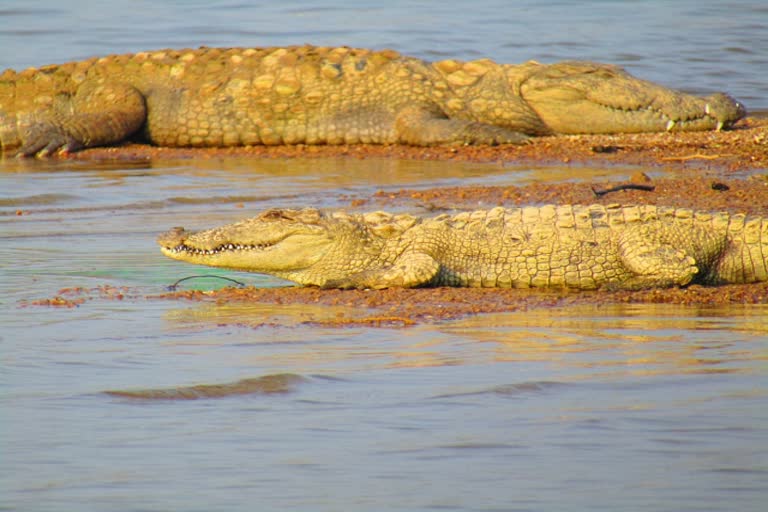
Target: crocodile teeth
x,y
720,125
217,250
670,124
707,109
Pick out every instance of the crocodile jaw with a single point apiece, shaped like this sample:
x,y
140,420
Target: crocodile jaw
x,y
264,244
580,97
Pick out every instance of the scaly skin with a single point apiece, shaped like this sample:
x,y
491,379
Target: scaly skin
x,y
582,247
312,95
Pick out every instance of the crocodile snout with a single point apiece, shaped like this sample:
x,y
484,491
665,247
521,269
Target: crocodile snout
x,y
173,237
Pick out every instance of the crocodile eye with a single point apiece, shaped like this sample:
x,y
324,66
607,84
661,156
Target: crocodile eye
x,y
275,214
605,73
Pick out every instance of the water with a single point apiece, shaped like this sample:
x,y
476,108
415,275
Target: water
x,y
591,408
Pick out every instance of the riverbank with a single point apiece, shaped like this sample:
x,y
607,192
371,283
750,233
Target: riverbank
x,y
743,148
710,171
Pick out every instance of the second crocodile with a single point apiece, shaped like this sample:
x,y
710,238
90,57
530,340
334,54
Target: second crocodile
x,y
582,247
313,95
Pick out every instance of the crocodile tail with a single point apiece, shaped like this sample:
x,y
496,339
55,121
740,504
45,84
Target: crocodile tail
x,y
9,134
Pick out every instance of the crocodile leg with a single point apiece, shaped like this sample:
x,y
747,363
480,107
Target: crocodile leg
x,y
96,115
420,127
411,270
656,260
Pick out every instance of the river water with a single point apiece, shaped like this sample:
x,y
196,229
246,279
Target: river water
x,y
635,407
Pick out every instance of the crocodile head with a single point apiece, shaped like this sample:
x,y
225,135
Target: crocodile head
x,y
278,242
585,97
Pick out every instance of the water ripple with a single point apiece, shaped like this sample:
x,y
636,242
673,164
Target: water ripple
x,y
266,385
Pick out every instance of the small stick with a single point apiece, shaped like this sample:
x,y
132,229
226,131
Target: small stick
x,y
175,285
626,186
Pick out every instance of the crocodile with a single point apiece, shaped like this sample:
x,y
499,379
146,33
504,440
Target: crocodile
x,y
567,246
219,97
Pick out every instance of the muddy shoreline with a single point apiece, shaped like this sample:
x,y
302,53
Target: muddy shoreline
x,y
743,148
712,171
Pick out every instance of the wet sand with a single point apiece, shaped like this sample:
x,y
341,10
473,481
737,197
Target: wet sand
x,y
712,171
398,307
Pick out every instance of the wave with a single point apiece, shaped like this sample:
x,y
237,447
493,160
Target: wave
x,y
266,385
